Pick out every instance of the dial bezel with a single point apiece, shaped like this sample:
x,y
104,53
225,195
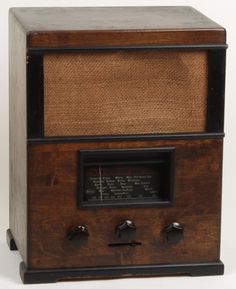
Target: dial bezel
x,y
163,157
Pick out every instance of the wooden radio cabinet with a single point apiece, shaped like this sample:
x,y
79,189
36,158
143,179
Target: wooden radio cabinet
x,y
116,137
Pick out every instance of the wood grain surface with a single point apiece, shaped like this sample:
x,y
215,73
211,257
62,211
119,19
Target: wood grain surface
x,y
17,114
112,18
52,175
44,177
106,26
97,38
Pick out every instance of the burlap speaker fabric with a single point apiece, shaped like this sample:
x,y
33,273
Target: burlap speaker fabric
x,y
121,92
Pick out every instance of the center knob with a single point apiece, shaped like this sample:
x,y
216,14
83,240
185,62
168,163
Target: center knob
x,y
126,229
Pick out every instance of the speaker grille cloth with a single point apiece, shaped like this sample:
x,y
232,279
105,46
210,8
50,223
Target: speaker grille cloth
x,y
122,92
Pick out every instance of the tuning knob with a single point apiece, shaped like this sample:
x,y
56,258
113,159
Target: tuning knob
x,y
78,232
125,229
174,232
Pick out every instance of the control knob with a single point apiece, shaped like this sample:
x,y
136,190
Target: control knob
x,y
79,233
126,229
174,232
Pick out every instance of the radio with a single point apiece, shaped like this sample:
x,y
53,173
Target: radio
x,y
116,134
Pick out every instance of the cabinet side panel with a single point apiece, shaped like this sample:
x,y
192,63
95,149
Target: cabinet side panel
x,y
17,98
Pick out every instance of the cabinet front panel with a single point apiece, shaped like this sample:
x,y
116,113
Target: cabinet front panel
x,y
53,182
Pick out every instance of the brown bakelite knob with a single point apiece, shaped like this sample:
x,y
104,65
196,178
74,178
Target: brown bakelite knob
x,y
126,229
78,232
174,232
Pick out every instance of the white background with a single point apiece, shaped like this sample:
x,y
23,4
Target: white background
x,y
222,12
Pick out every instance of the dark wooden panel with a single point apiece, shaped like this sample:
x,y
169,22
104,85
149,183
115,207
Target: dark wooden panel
x,y
117,26
35,95
17,105
52,174
98,38
55,275
216,90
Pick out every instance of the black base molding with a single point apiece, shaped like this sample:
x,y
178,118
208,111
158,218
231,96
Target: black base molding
x,y
29,276
10,241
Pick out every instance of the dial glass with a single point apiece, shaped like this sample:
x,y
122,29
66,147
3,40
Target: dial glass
x,y
124,178
121,182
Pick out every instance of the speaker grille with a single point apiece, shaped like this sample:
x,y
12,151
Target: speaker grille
x,y
121,92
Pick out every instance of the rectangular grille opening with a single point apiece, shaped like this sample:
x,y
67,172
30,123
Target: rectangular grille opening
x,y
125,92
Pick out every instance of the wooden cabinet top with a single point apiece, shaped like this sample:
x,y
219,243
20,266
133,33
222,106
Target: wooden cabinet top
x,y
107,26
